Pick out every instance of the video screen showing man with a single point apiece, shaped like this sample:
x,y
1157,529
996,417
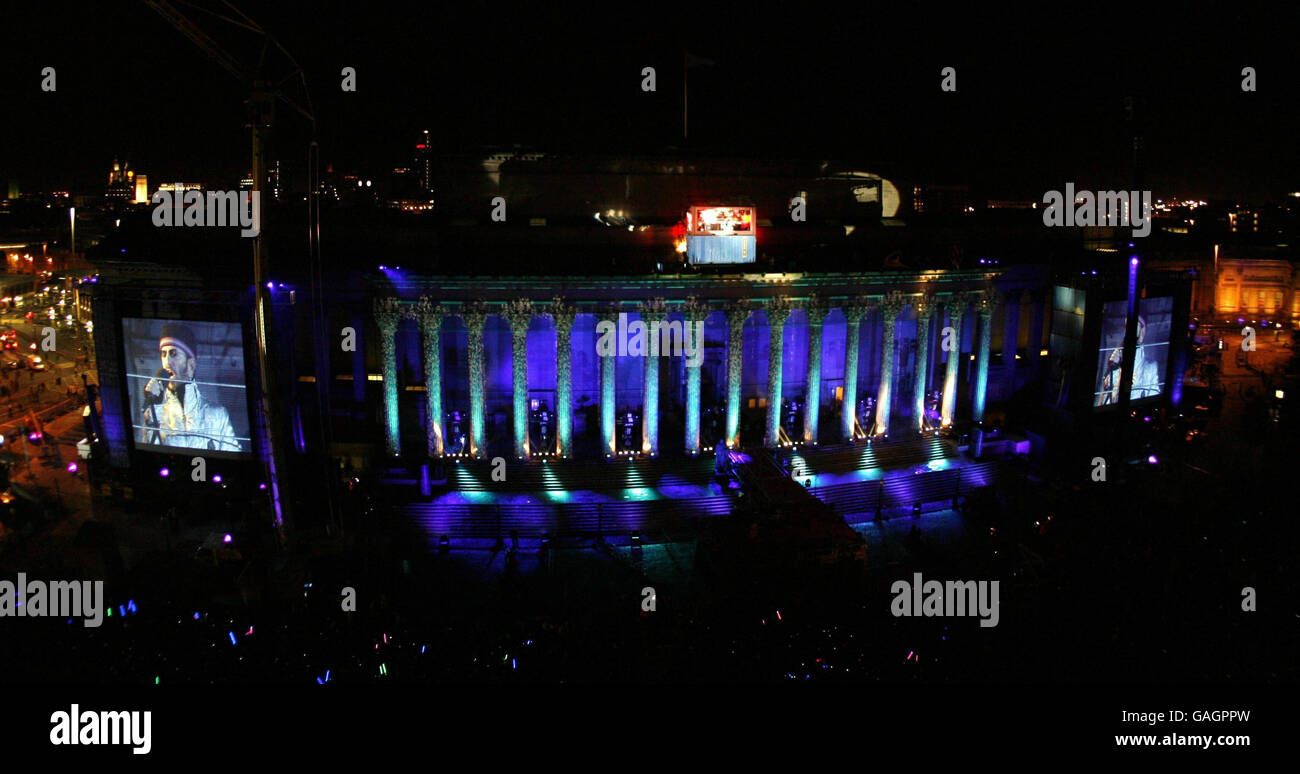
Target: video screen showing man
x,y
189,391
1152,351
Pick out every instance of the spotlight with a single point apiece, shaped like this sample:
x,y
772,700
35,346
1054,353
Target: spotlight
x,y
165,472
216,479
72,467
227,538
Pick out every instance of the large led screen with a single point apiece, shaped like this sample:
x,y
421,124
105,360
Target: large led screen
x,y
1154,316
186,385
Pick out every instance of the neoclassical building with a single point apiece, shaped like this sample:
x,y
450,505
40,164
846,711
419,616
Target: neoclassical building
x,y
787,351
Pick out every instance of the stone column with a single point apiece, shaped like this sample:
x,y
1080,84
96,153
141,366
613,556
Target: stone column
x,y
519,313
695,314
816,310
854,310
890,308
429,316
736,315
956,308
778,311
563,315
924,310
988,301
475,316
653,311
388,312
608,391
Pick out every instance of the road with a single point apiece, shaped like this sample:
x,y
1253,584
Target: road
x,y
56,393
22,389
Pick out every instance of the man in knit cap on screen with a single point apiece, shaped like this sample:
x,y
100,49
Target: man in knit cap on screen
x,y
174,404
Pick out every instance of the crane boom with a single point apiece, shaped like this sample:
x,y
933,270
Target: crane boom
x,y
263,93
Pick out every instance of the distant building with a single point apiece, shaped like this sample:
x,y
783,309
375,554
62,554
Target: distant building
x,y
424,163
271,189
1243,221
141,189
121,184
1256,282
181,187
942,200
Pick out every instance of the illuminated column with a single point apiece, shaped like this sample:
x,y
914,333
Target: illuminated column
x,y
475,316
987,301
853,312
778,311
388,312
736,315
652,312
924,309
695,314
956,308
563,316
890,309
816,311
429,316
607,354
519,313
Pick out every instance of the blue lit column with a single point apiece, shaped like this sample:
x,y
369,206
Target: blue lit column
x,y
607,389
816,312
890,309
853,312
563,316
695,314
651,312
387,314
778,311
736,315
924,309
988,301
519,313
475,317
956,309
429,316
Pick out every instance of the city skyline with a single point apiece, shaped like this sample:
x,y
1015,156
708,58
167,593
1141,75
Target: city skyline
x,y
1022,120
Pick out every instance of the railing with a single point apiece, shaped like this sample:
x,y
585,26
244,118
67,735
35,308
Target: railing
x,y
903,490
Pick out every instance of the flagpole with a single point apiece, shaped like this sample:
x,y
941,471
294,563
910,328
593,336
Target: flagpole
x,y
686,74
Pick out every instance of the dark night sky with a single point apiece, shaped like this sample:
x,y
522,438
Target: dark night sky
x,y
1039,100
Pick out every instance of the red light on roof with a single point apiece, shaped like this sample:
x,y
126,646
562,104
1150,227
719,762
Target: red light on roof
x,y
421,146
